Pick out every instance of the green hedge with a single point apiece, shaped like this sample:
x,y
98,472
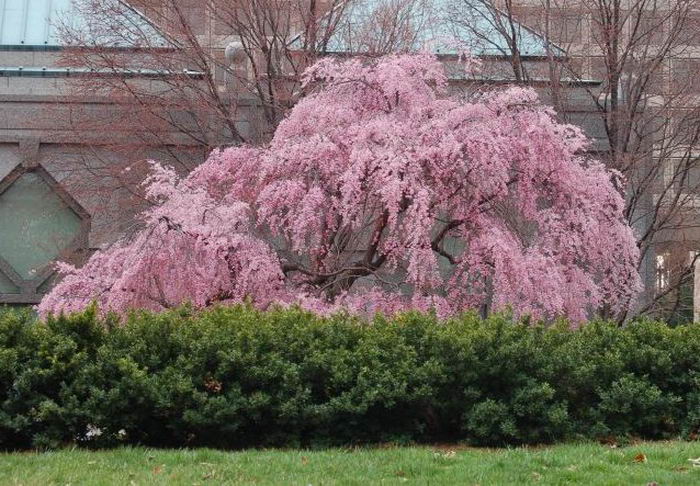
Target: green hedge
x,y
236,377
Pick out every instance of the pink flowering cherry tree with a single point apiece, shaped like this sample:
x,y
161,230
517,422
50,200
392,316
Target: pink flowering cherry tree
x,y
381,193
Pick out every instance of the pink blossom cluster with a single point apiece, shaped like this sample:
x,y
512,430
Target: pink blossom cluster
x,y
379,192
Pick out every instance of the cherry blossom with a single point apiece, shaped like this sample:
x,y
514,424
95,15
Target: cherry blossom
x,y
380,192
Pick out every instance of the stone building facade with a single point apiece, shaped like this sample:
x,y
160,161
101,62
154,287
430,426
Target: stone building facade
x,y
58,198
47,211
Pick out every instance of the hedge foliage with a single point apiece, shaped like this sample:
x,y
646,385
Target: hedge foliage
x,y
237,377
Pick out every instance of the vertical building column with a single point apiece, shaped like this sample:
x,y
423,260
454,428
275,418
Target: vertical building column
x,y
29,151
696,293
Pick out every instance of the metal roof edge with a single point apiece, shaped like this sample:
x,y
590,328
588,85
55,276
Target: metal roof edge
x,y
29,47
38,72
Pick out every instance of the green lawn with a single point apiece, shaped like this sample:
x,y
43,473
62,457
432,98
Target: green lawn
x,y
663,463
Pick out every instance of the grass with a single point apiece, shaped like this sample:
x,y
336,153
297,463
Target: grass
x,y
662,463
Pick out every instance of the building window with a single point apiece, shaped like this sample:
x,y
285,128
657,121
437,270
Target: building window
x,y
195,18
690,29
651,29
188,15
685,76
566,27
228,19
40,224
662,271
681,176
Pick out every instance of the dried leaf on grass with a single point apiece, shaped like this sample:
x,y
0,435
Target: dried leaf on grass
x,y
639,458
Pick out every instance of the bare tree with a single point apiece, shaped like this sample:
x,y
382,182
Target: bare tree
x,y
377,27
174,79
494,28
645,115
212,57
